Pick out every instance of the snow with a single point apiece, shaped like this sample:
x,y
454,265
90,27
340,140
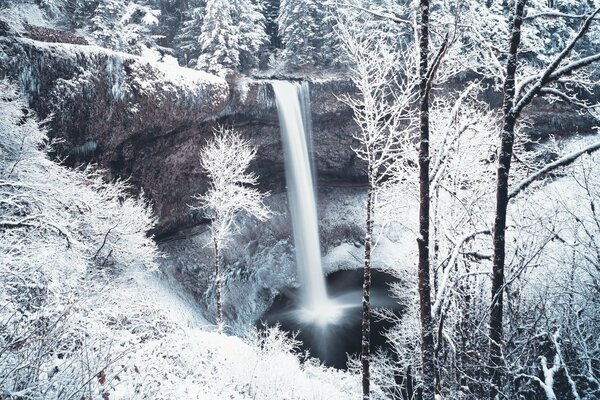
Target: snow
x,y
188,77
126,74
27,13
150,19
188,361
344,256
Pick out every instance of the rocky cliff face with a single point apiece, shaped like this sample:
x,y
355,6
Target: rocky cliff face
x,y
147,121
121,112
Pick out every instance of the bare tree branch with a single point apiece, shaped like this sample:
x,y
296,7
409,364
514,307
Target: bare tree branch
x,y
562,162
553,72
391,17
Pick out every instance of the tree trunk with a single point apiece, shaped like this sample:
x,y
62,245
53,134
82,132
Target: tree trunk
x,y
427,349
366,315
218,285
504,161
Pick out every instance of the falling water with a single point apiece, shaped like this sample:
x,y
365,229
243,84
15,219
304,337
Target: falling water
x,y
293,104
306,109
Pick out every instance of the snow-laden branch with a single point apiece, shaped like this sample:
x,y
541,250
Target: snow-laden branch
x,y
549,373
565,97
561,162
442,157
439,297
554,14
391,17
573,66
557,348
553,71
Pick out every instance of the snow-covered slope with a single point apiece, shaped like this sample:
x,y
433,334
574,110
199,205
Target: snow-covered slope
x,y
84,314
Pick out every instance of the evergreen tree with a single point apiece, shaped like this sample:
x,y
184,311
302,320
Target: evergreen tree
x,y
232,35
299,30
186,42
219,39
253,36
331,48
105,22
128,26
271,12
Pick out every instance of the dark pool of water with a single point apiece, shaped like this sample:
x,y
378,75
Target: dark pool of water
x,y
332,343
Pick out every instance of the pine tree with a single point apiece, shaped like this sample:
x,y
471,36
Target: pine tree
x,y
253,36
271,12
105,22
186,42
331,47
232,36
299,31
118,25
219,39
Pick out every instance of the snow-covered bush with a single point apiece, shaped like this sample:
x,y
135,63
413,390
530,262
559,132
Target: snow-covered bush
x,y
63,235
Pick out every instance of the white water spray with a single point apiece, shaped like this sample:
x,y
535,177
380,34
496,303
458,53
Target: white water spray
x,y
293,104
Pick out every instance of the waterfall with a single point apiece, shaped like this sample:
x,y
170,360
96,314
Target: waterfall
x,y
293,105
306,109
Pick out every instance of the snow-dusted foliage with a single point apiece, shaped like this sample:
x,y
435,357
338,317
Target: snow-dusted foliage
x,y
140,27
555,296
130,26
63,235
233,32
226,160
219,39
481,42
186,41
299,31
260,366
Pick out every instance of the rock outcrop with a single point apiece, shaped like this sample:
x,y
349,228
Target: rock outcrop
x,y
121,112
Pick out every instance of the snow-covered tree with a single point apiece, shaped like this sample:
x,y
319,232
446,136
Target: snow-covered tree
x,y
556,79
186,41
253,36
233,32
299,29
219,39
271,11
124,26
225,160
383,113
65,235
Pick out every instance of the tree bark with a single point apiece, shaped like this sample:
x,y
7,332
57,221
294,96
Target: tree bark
x,y
366,314
427,348
218,285
504,161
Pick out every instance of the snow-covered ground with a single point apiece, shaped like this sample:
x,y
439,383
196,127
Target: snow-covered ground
x,y
190,361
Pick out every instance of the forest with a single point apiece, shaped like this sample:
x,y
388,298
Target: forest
x,y
311,199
